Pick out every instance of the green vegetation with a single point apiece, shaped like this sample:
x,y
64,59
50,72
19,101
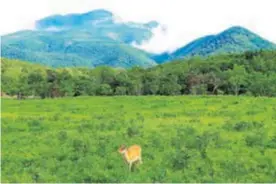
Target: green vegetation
x,y
84,40
96,38
184,139
233,40
250,73
72,48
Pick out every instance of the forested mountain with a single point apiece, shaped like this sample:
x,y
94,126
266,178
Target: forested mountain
x,y
233,40
250,73
90,39
99,38
101,24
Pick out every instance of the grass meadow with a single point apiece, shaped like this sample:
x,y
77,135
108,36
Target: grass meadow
x,y
183,139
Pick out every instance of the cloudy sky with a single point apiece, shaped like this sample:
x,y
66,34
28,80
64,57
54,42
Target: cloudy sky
x,y
185,19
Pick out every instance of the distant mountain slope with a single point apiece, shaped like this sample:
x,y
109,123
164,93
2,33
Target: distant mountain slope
x,y
233,40
98,38
100,23
90,39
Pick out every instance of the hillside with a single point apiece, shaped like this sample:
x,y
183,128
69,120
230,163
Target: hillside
x,y
233,40
91,39
99,38
250,73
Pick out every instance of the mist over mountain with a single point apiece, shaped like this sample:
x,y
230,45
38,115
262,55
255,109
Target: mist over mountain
x,y
90,39
100,23
99,37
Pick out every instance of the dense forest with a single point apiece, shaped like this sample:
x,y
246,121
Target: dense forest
x,y
250,73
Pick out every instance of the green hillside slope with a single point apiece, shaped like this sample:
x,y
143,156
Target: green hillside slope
x,y
233,40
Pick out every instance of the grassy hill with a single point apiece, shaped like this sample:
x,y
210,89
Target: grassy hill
x,y
183,139
233,40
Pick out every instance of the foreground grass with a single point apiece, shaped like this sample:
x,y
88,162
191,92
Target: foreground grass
x,y
184,139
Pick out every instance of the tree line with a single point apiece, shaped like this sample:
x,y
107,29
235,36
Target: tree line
x,y
249,73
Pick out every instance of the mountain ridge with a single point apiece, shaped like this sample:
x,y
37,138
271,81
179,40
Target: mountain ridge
x,y
97,38
72,40
235,39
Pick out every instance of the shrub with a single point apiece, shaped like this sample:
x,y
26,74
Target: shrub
x,y
272,143
243,126
133,131
35,125
254,140
62,135
181,159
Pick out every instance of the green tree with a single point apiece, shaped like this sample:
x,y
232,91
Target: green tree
x,y
169,85
215,80
22,87
53,89
36,82
66,83
104,89
237,78
121,90
151,83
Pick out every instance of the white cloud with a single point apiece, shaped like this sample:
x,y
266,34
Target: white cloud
x,y
113,36
185,19
162,40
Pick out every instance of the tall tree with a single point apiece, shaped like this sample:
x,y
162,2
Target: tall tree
x,y
237,78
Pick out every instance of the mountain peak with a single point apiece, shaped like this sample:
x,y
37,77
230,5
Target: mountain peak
x,y
235,39
85,39
97,14
237,30
100,12
237,27
74,20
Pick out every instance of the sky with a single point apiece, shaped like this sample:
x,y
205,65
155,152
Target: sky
x,y
184,20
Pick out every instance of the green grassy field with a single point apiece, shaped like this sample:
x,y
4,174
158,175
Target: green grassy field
x,y
184,139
